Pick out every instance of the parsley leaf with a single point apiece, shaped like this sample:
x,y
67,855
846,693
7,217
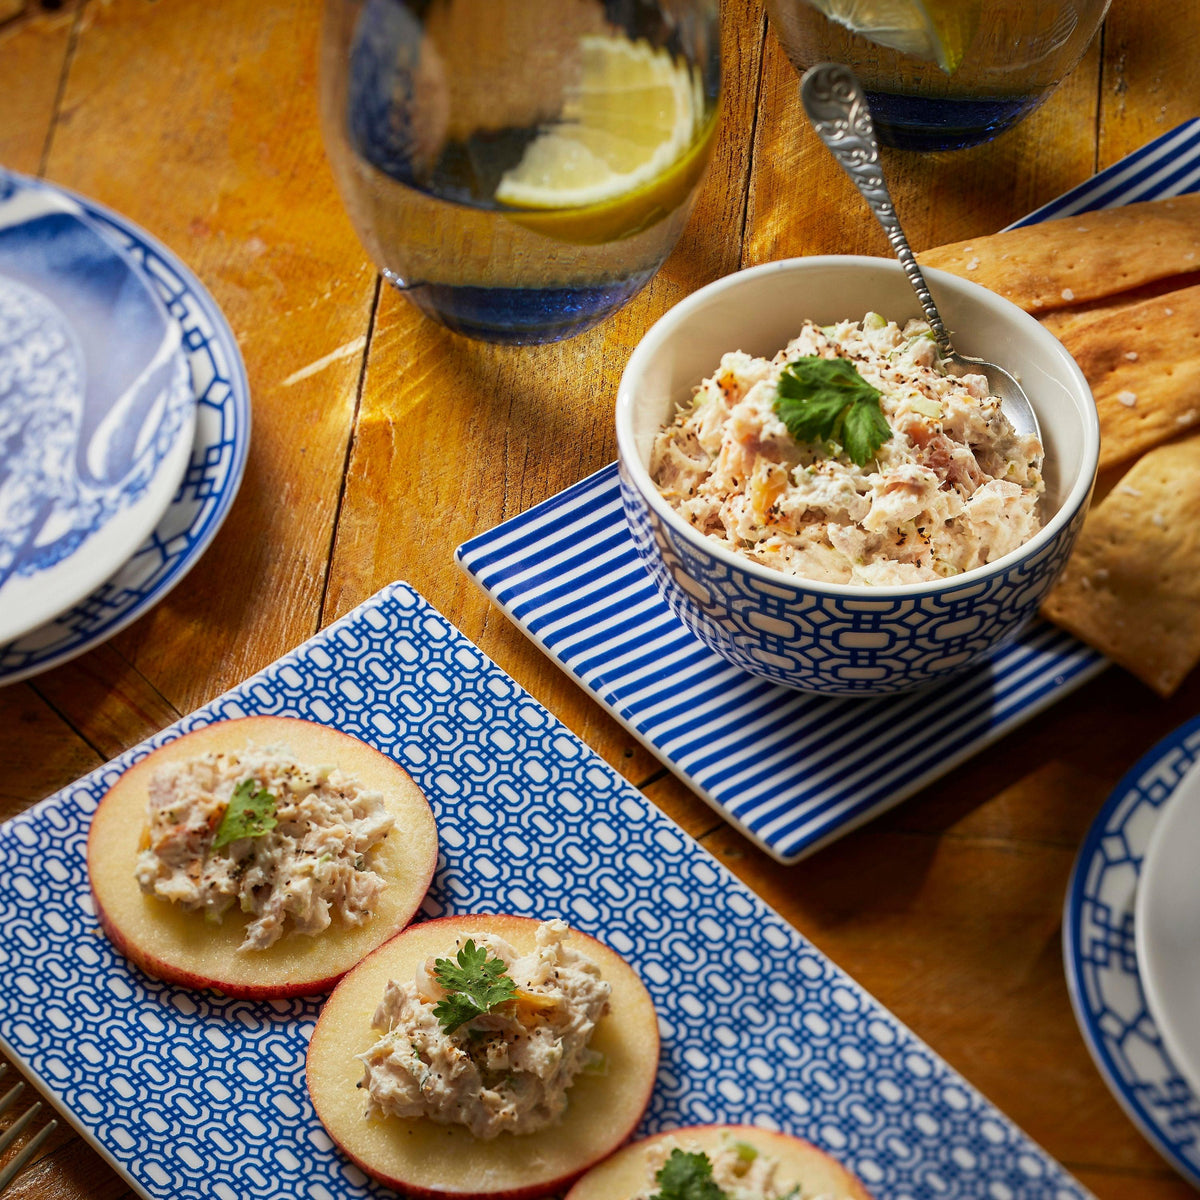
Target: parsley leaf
x,y
687,1177
251,813
476,984
826,399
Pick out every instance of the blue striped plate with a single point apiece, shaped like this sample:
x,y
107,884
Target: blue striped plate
x,y
791,771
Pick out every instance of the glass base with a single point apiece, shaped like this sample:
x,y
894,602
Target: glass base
x,y
918,123
519,316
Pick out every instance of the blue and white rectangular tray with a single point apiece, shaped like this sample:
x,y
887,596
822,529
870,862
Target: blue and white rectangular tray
x,y
192,1096
791,771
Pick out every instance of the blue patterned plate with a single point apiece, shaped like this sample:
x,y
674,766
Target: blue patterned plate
x,y
791,771
220,398
96,406
1166,928
1101,959
192,1096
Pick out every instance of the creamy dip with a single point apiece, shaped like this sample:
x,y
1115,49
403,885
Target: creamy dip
x,y
741,1171
314,865
953,488
506,1070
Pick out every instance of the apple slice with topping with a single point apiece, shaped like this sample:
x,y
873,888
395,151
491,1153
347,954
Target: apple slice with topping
x,y
426,1158
793,1166
181,945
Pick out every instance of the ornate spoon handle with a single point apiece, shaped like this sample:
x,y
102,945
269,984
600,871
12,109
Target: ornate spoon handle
x,y
838,111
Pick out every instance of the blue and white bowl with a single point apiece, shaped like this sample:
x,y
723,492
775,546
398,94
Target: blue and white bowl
x,y
842,639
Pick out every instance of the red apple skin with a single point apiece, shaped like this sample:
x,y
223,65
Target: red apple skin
x,y
621,1176
620,1099
181,947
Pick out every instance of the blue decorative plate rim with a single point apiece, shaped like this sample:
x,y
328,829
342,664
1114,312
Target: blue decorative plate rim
x,y
125,421
211,479
1141,789
193,1096
538,566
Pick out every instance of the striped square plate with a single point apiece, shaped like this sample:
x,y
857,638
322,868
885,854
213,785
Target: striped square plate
x,y
791,771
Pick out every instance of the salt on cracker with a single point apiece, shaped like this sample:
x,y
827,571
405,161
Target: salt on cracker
x,y
1074,260
1143,364
1132,586
1059,321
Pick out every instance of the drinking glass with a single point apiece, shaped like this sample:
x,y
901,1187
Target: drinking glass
x,y
519,169
1015,53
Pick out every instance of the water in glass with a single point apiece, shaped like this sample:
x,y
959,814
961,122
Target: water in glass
x,y
519,168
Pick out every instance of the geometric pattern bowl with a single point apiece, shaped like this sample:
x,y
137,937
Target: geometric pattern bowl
x,y
802,635
1101,957
191,1095
859,641
826,636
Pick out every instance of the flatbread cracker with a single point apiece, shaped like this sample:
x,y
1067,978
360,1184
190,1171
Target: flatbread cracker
x,y
1143,364
1074,260
1059,321
1132,586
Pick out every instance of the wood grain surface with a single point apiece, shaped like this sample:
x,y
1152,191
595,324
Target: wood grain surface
x,y
381,441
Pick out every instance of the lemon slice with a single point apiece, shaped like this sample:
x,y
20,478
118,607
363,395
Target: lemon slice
x,y
626,150
933,30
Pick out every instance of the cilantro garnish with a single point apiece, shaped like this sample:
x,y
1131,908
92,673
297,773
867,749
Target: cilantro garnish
x,y
826,399
687,1177
251,813
475,984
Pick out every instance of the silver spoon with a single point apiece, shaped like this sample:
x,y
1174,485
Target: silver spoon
x,y
838,111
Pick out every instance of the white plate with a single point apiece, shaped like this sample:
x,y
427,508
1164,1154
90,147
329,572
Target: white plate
x,y
97,412
1167,927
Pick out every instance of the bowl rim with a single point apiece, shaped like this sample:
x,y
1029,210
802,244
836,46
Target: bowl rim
x,y
633,467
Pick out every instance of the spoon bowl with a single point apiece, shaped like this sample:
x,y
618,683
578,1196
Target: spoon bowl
x,y
837,108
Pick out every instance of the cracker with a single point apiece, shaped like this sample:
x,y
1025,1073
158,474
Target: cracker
x,y
1062,319
1075,260
1143,364
1132,586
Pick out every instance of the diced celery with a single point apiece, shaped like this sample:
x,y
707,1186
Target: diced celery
x,y
925,406
597,1064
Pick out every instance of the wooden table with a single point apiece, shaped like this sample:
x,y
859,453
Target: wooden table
x,y
381,442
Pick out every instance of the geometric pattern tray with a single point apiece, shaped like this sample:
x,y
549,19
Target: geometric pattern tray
x,y
1101,958
190,1095
791,771
211,480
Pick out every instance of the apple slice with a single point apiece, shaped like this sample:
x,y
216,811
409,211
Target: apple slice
x,y
627,1173
427,1159
182,947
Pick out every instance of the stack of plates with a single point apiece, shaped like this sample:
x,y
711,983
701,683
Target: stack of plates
x,y
1131,937
124,424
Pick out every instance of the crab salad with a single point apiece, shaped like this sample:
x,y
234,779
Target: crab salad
x,y
282,840
901,473
498,1060
738,1170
